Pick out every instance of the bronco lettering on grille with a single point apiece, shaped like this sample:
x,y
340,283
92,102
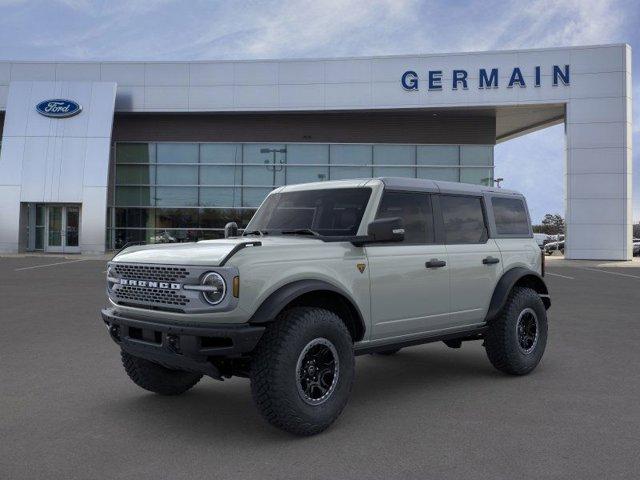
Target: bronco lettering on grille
x,y
149,284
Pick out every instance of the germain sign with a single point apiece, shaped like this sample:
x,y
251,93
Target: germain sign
x,y
487,78
58,108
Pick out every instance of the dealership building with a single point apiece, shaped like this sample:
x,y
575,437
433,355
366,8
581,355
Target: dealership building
x,y
96,155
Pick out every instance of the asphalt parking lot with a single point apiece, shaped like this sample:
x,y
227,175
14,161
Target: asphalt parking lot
x,y
68,411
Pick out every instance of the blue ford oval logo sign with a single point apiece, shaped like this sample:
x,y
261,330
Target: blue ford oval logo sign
x,y
58,108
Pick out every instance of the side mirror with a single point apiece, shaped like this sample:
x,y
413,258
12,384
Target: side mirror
x,y
231,230
386,230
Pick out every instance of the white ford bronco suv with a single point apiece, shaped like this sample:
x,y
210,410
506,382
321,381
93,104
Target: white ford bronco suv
x,y
326,271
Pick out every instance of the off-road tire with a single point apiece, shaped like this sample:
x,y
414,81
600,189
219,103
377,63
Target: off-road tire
x,y
156,378
391,351
274,375
501,341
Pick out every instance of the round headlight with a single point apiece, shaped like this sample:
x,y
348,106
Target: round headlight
x,y
215,288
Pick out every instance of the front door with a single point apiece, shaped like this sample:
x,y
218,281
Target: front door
x,y
62,229
409,280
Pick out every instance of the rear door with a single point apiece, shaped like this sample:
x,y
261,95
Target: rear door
x,y
409,280
474,258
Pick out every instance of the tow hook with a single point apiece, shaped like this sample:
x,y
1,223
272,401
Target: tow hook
x,y
114,331
172,343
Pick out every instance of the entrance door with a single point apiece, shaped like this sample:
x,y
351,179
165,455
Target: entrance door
x,y
62,229
72,229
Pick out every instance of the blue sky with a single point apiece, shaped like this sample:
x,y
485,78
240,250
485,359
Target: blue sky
x,y
249,29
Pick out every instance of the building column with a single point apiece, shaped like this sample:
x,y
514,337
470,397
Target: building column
x,y
598,177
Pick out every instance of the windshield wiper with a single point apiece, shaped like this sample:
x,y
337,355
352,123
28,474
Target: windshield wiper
x,y
260,233
301,231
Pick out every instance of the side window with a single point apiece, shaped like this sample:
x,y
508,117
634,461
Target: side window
x,y
511,216
463,219
415,211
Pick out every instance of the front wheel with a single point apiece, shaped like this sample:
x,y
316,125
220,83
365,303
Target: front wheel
x,y
516,340
302,370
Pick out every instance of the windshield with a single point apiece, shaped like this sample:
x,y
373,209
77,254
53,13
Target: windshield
x,y
327,212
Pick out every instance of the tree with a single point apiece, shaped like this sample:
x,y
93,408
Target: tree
x,y
636,230
552,224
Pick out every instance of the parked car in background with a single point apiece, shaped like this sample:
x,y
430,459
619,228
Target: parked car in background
x,y
551,247
541,239
636,247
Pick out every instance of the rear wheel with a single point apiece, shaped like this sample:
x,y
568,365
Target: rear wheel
x,y
302,371
156,378
516,340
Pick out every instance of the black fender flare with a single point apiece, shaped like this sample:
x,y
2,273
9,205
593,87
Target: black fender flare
x,y
283,296
517,275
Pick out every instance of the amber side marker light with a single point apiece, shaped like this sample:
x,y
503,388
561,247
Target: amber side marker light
x,y
236,287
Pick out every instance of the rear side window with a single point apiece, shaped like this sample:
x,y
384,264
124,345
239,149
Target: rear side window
x,y
415,211
463,219
511,216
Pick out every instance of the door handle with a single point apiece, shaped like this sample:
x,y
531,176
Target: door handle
x,y
435,263
490,260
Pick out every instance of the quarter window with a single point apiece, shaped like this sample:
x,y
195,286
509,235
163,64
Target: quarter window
x,y
415,211
511,216
463,219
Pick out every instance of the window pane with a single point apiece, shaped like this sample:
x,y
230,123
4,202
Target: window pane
x,y
40,215
479,176
177,175
135,153
445,174
394,155
135,196
336,211
262,172
415,211
307,174
219,217
220,153
511,216
39,238
463,219
219,197
177,196
122,236
219,175
135,175
438,155
134,218
351,155
317,155
476,155
176,218
253,197
177,152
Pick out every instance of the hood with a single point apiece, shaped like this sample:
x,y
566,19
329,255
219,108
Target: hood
x,y
206,252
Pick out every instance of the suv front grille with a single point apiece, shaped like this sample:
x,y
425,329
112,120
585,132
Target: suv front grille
x,y
151,295
151,272
156,297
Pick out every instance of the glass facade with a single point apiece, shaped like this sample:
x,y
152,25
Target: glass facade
x,y
168,192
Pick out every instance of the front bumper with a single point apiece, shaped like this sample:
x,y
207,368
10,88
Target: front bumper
x,y
180,345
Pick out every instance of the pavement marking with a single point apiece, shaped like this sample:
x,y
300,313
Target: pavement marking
x,y
610,273
558,275
50,264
